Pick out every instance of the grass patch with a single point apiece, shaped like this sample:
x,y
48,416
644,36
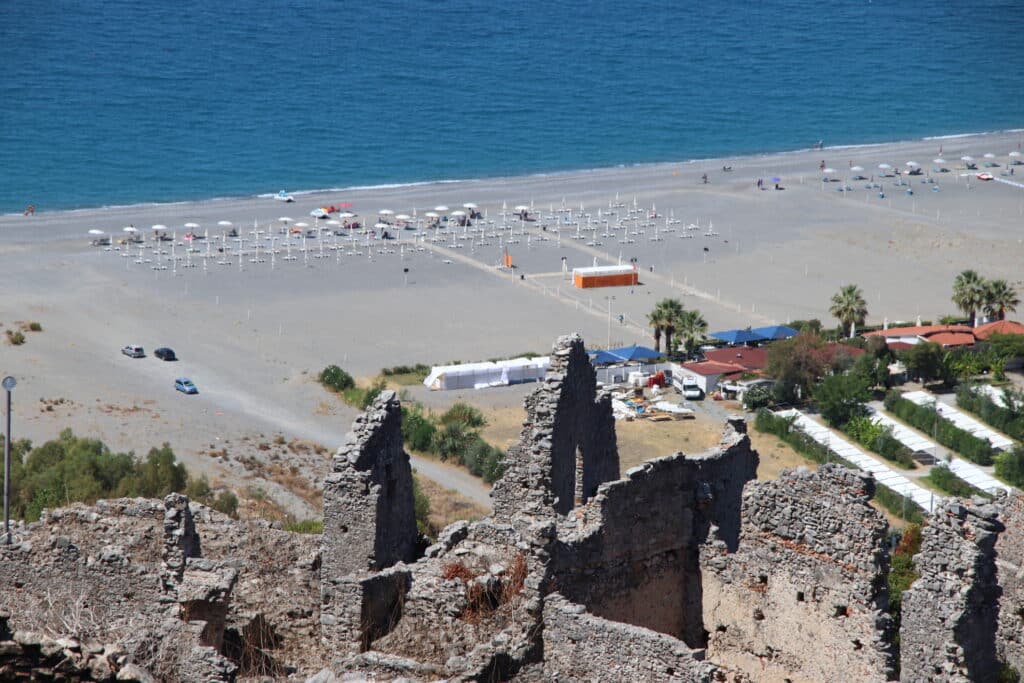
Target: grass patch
x,y
406,375
305,526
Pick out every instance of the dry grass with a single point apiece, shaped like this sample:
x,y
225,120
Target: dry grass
x,y
776,455
447,506
294,481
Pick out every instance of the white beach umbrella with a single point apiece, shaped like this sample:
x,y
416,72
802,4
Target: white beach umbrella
x,y
96,231
522,207
225,224
912,164
381,226
828,171
431,214
385,212
346,214
458,213
192,226
403,217
159,226
285,219
884,167
966,158
470,205
939,160
302,225
990,155
130,228
857,169
333,223
442,208
1014,154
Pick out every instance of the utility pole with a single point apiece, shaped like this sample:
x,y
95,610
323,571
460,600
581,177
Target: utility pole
x,y
8,384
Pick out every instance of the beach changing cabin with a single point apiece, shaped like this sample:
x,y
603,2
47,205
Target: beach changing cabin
x,y
605,276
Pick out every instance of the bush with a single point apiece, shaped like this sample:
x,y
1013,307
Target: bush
x,y
902,572
336,379
1010,466
15,337
757,397
1005,420
943,478
927,420
421,505
306,526
35,327
417,429
879,439
465,415
841,398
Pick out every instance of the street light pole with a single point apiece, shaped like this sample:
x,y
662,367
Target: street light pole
x,y
8,384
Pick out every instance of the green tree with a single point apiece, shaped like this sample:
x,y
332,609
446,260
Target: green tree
x,y
691,328
849,308
924,361
969,293
841,397
872,370
1000,297
656,319
337,379
1010,466
450,440
796,364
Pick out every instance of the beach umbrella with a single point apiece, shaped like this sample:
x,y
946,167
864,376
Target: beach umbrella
x,y
225,224
522,207
458,213
912,164
159,226
130,228
857,169
990,155
285,219
737,336
333,223
470,205
431,214
633,353
776,179
346,214
192,226
939,160
442,208
385,212
884,167
966,158
302,225
381,226
403,217
1014,153
828,171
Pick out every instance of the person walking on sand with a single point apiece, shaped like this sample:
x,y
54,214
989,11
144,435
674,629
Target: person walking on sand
x,y
30,211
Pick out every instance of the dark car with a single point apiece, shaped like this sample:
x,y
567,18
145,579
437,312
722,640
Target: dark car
x,y
164,353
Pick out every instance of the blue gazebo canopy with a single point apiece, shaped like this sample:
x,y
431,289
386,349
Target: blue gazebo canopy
x,y
775,332
624,354
738,336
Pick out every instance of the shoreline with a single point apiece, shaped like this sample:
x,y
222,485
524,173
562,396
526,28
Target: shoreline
x,y
441,182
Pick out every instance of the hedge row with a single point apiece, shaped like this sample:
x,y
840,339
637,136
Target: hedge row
x,y
927,420
770,423
1003,419
943,478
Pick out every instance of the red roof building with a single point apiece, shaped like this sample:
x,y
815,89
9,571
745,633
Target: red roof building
x,y
998,327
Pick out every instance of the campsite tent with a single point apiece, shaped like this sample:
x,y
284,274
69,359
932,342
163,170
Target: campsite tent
x,y
486,374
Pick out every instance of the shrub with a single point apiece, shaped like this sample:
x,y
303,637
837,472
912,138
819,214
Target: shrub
x,y
35,327
306,526
880,440
417,429
927,420
841,398
943,478
1010,421
465,415
421,505
757,397
1010,466
902,572
226,502
15,337
336,379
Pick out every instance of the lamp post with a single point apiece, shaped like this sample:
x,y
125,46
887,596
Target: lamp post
x,y
8,384
608,343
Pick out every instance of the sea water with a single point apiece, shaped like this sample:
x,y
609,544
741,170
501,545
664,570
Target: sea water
x,y
121,102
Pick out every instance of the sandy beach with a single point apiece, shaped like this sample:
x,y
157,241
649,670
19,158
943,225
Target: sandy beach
x,y
254,338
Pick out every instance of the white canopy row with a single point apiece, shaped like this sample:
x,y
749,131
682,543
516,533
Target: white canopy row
x,y
995,394
969,472
858,458
961,420
487,374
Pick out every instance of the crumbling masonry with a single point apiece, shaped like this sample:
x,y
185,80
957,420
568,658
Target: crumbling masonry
x,y
684,569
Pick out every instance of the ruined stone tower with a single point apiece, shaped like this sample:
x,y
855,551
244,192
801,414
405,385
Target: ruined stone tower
x,y
567,447
369,516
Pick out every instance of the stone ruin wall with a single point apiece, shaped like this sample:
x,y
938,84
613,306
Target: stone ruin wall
x,y
579,646
951,613
369,514
1010,566
803,597
567,447
631,554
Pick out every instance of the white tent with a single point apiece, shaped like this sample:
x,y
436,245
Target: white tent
x,y
486,374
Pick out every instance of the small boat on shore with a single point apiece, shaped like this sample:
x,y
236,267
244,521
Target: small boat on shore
x,y
283,196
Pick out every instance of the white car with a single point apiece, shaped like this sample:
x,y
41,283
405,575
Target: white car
x,y
133,351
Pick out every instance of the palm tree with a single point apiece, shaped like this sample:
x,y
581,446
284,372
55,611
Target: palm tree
x,y
969,293
692,328
656,319
673,311
849,307
1000,297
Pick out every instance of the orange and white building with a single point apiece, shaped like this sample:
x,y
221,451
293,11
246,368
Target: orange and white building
x,y
605,276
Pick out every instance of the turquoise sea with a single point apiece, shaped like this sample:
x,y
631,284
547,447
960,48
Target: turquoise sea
x,y
127,102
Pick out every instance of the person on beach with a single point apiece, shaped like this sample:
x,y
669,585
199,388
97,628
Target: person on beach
x,y
30,211
821,166
704,178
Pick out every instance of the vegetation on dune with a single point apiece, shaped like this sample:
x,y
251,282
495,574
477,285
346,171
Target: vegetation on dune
x,y
453,436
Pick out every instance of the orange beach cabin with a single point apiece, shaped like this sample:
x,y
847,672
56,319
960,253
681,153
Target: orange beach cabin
x,y
605,276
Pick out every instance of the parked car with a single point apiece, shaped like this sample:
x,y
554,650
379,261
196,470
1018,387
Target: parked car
x,y
185,385
133,351
691,390
164,353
